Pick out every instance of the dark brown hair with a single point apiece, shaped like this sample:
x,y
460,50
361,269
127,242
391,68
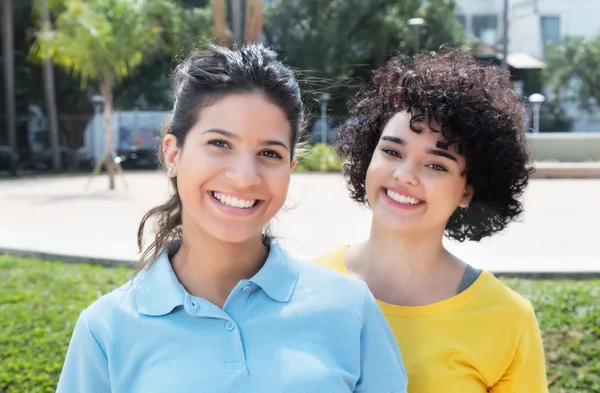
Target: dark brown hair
x,y
201,79
475,107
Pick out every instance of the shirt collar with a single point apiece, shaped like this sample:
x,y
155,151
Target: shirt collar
x,y
279,274
158,290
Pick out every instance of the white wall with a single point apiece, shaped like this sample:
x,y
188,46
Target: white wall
x,y
577,18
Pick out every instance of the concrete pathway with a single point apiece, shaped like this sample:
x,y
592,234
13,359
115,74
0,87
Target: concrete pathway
x,y
558,233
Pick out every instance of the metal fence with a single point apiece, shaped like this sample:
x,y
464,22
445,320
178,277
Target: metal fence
x,y
80,137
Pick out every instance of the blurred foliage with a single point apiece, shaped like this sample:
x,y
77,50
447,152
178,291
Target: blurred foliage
x,y
100,40
187,26
574,71
554,119
318,158
337,43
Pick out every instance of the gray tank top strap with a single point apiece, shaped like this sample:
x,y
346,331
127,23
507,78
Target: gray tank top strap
x,y
468,278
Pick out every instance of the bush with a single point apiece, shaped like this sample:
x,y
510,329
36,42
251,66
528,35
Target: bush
x,y
318,158
40,302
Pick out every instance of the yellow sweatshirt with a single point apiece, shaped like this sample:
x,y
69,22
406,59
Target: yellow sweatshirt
x,y
485,339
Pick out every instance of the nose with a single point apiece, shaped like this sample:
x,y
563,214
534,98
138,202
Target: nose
x,y
244,171
405,173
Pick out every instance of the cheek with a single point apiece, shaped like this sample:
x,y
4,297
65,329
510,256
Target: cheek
x,y
447,191
193,172
378,175
276,180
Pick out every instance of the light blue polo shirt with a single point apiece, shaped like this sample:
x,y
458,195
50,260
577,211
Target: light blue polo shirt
x,y
295,327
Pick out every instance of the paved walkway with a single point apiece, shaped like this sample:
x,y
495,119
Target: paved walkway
x,y
558,233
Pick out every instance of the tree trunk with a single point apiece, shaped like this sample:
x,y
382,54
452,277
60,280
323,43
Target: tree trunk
x,y
237,21
219,23
107,120
249,21
9,76
50,95
253,21
258,23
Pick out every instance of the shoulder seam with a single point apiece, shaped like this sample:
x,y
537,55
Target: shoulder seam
x,y
87,326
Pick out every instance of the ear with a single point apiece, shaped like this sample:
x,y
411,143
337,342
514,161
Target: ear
x,y
293,164
467,197
171,154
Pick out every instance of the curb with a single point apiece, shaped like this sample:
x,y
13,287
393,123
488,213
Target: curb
x,y
76,259
112,263
566,170
575,275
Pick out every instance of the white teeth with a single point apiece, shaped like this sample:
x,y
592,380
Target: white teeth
x,y
402,199
233,201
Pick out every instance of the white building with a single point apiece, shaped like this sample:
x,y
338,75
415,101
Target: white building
x,y
532,24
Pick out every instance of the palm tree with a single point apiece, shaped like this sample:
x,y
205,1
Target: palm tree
x,y
102,41
9,78
49,91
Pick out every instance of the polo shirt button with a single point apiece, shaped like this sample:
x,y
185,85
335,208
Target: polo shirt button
x,y
246,288
229,326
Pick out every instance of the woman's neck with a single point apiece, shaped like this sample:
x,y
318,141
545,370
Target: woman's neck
x,y
406,268
211,268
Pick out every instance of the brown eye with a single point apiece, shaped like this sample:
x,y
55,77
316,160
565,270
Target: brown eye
x,y
219,143
391,152
438,167
271,154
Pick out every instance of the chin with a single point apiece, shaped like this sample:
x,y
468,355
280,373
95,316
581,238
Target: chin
x,y
395,223
398,227
236,234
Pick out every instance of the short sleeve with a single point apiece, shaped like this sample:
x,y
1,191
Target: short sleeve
x,y
382,370
527,370
86,365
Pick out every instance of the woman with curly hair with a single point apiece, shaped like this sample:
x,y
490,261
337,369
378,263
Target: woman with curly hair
x,y
436,147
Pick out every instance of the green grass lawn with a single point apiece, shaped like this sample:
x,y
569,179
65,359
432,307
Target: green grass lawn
x,y
40,302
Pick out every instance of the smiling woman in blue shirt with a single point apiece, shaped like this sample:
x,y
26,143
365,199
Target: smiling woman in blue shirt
x,y
216,304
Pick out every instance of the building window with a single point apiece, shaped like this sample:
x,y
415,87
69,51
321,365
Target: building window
x,y
485,28
550,29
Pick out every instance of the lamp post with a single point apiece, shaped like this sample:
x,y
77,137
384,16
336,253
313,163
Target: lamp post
x,y
536,101
97,102
324,101
416,23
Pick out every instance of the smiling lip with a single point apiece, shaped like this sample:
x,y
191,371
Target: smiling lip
x,y
401,199
234,210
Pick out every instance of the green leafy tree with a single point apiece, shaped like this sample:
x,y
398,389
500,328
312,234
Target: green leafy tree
x,y
573,71
187,26
102,41
338,42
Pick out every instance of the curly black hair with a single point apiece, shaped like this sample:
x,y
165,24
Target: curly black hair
x,y
473,105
